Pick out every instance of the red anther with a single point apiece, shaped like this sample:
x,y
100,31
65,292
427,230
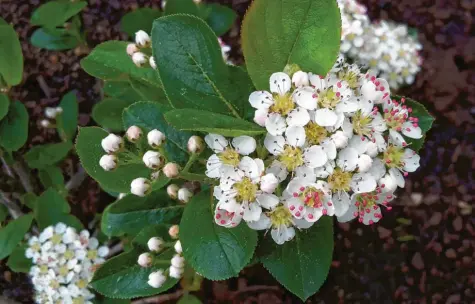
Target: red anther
x,y
388,161
389,208
360,220
389,196
292,207
355,214
314,95
374,140
365,203
300,208
399,129
386,110
223,222
307,199
408,129
362,138
330,204
371,222
310,216
357,204
406,174
377,83
383,185
295,194
404,144
404,107
218,216
302,188
373,78
375,207
381,88
338,94
403,99
367,210
297,213
415,125
409,110
338,84
324,211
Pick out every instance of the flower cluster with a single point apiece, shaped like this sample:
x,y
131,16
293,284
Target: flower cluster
x,y
334,146
63,264
51,114
384,47
156,245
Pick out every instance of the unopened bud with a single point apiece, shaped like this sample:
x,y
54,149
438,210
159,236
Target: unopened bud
x,y
45,123
145,260
155,244
176,272
142,39
184,195
152,159
171,170
152,62
195,144
51,112
132,49
139,59
173,231
156,279
155,138
134,133
108,162
172,191
178,248
112,143
178,261
140,186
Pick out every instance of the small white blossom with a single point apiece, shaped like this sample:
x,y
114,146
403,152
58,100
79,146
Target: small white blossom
x,y
184,195
178,261
108,162
171,170
195,144
152,159
132,49
155,244
156,279
140,186
145,260
155,138
112,143
152,63
139,59
176,272
178,248
173,231
134,133
142,39
172,191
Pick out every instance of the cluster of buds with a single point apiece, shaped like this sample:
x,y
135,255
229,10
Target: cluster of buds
x,y
51,114
140,51
182,194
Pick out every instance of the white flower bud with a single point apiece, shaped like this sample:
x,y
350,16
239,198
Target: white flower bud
x,y
387,183
152,159
372,149
171,170
184,195
139,59
140,186
172,191
178,248
300,79
132,49
269,182
155,138
197,1
134,133
108,162
178,261
142,39
45,123
122,195
152,62
145,260
156,279
340,139
176,272
173,231
51,112
195,144
155,244
112,143
59,110
364,163
155,175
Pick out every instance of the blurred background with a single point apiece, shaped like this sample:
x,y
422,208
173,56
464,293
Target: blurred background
x,y
423,249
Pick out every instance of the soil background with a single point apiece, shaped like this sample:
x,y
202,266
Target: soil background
x,y
421,252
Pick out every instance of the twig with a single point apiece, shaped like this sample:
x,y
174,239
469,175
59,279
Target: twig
x,y
44,87
252,289
115,249
7,168
23,175
13,208
160,298
77,179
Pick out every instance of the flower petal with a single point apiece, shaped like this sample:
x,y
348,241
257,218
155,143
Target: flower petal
x,y
275,124
252,212
347,159
261,100
410,131
341,201
298,117
306,98
216,142
397,176
363,182
268,201
244,145
325,117
295,136
315,156
262,223
274,144
280,83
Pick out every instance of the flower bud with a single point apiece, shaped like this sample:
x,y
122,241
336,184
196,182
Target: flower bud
x,y
176,272
178,261
155,244
197,1
172,191
59,110
112,143
173,231
152,62
269,182
364,163
121,195
156,279
45,123
132,49
140,186
108,162
171,170
300,79
178,248
152,159
139,59
184,195
340,139
145,260
134,133
195,144
51,112
155,138
142,39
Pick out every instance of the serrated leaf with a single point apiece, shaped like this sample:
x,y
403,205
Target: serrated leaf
x,y
181,7
302,264
220,18
53,39
121,277
139,19
215,252
51,177
14,127
89,149
17,261
13,233
56,13
67,121
209,122
108,113
51,208
280,32
4,105
43,156
11,57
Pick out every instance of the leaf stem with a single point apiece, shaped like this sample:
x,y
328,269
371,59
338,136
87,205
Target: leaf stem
x,y
12,207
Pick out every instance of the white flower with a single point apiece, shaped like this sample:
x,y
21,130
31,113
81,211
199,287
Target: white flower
x,y
366,207
108,162
145,260
171,170
155,244
155,138
178,261
177,247
132,49
140,186
152,62
156,279
184,195
52,112
139,59
300,79
195,144
176,272
112,143
397,118
172,191
134,133
142,39
152,159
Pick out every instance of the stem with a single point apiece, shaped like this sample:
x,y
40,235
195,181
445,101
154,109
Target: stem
x,y
77,179
7,168
190,162
23,175
161,298
13,208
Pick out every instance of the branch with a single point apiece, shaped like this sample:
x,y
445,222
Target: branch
x,y
160,298
77,179
13,209
7,167
115,249
23,175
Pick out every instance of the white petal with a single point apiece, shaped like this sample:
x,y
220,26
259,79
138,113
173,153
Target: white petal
x,y
325,117
363,182
282,234
364,163
347,127
326,170
298,117
359,143
280,83
260,117
315,156
396,138
410,131
261,100
317,82
377,169
397,176
296,207
295,136
213,166
306,98
275,124
387,183
378,123
300,79
349,215
347,106
329,147
268,201
262,223
260,165
303,224
226,219
411,160
341,201
347,159
305,173
279,170
274,144
252,212
216,142
230,205
370,218
368,90
244,145
269,182
249,167
60,228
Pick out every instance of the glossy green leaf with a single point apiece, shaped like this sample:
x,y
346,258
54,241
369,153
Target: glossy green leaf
x,y
67,121
89,149
11,57
181,7
215,252
121,277
142,238
4,105
14,127
13,233
280,32
302,264
53,39
139,19
51,177
108,113
55,13
51,208
47,155
148,92
17,261
220,18
209,122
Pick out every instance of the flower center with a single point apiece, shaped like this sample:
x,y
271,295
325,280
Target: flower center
x,y
56,239
280,216
350,36
69,254
340,180
79,300
44,269
315,134
373,63
246,190
311,196
393,157
229,157
92,254
328,98
81,284
405,72
351,77
63,271
36,247
362,124
386,57
283,104
291,157
367,201
54,284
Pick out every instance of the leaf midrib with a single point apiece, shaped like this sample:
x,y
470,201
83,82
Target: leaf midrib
x,y
299,33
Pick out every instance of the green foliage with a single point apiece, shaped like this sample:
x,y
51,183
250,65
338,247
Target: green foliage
x,y
4,105
11,57
108,113
141,239
17,261
13,233
182,7
67,121
280,32
3,214
40,157
215,252
51,208
52,176
55,13
220,18
139,19
56,39
14,127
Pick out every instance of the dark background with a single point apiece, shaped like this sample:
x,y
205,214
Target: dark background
x,y
421,252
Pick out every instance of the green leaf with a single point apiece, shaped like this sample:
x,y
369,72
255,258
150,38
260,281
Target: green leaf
x,y
148,92
220,18
121,90
280,32
4,105
132,213
43,156
29,200
3,213
181,7
121,277
302,264
52,177
53,39
189,299
108,113
51,208
148,116
18,262
140,19
56,13
215,252
191,66
11,57
3,22
13,233
89,149
14,127
67,121
209,122
113,301
142,238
